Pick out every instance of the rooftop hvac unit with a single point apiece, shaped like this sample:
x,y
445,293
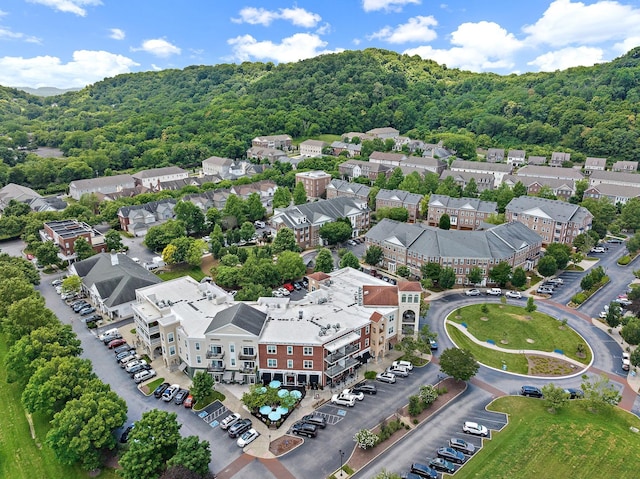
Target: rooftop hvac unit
x,y
337,326
300,314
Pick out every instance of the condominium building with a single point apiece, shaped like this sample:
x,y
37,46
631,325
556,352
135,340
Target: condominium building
x,y
464,213
314,182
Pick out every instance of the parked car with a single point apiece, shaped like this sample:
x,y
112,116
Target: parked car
x,y
87,311
124,437
230,420
598,249
157,393
181,396
531,391
116,342
350,393
544,290
80,306
386,377
614,241
443,465
284,291
421,470
297,286
475,429
556,281
240,427
339,400
143,375
123,348
108,332
170,392
626,361
288,286
574,393
433,344
129,352
398,371
124,360
276,294
450,454
302,428
92,319
133,364
366,388
494,292
247,438
472,292
513,294
403,364
188,402
56,282
315,419
140,367
462,445
259,224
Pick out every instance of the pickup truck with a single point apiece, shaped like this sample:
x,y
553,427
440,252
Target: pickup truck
x,y
340,400
494,292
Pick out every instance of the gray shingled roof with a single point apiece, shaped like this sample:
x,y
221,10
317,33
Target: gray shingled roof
x,y
333,208
464,203
399,195
355,188
150,207
557,210
480,166
633,178
550,172
116,180
240,315
153,172
116,284
553,183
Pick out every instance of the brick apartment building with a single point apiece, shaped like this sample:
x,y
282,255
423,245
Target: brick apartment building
x,y
315,183
65,233
464,213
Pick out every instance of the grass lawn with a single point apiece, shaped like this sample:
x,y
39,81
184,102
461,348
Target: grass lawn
x,y
516,363
21,457
182,270
573,443
512,323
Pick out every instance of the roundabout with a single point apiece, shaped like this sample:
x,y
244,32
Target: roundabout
x,y
510,339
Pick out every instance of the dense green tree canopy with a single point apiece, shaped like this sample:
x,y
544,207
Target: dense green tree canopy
x,y
324,261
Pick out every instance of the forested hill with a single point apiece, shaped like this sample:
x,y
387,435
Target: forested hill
x,y
182,116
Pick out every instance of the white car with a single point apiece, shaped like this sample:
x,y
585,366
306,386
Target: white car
x,y
132,364
230,420
472,292
403,364
626,361
340,400
598,249
398,371
276,294
475,429
170,392
494,292
386,377
284,291
109,332
513,294
348,393
143,375
247,438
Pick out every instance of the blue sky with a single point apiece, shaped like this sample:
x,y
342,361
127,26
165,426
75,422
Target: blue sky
x,y
73,43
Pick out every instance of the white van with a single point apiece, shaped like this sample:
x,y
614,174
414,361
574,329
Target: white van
x,y
109,332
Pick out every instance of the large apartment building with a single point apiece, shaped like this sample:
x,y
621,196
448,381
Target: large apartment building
x,y
400,199
413,245
314,182
306,220
320,339
65,233
554,220
464,213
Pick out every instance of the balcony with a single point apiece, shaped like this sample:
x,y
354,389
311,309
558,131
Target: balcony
x,y
215,354
247,357
341,353
213,367
247,370
338,369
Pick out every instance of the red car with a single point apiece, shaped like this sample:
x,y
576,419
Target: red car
x,y
188,403
288,286
116,342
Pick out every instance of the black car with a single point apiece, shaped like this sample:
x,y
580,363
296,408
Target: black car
x,y
366,388
450,454
443,465
160,389
124,437
531,391
92,319
242,426
574,393
181,396
423,470
78,307
302,428
316,420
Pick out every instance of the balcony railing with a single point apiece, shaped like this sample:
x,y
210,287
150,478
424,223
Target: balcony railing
x,y
216,367
341,354
243,356
334,371
215,354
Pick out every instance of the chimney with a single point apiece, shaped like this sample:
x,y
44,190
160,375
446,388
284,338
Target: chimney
x,y
114,258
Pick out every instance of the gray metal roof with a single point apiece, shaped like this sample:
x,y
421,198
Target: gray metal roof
x,y
474,204
559,211
240,315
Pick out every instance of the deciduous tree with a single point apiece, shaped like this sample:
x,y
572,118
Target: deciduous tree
x,y
299,194
285,240
25,315
554,396
459,364
547,266
202,386
599,393
290,265
373,255
501,273
324,261
335,232
83,249
349,260
192,454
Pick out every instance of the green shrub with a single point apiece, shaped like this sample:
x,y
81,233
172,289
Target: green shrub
x,y
415,422
415,405
624,260
579,298
370,375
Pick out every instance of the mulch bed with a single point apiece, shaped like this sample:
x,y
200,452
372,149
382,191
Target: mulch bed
x,y
361,457
284,444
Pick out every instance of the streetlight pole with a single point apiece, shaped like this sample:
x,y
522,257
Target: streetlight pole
x,y
341,459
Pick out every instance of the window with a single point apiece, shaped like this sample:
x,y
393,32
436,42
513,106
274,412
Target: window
x,y
170,337
366,329
416,298
289,350
404,298
216,350
271,349
172,350
248,351
197,346
233,362
198,360
272,363
289,363
390,329
232,348
366,342
392,317
308,350
307,364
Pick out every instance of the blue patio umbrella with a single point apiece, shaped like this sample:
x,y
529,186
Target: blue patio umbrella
x,y
282,410
283,393
275,416
264,410
275,384
296,394
262,390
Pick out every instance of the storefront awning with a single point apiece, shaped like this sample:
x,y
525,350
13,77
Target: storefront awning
x,y
338,343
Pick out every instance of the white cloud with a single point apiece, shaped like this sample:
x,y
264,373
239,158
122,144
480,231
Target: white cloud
x,y
117,34
324,29
158,47
566,22
86,67
387,5
155,67
68,6
417,29
8,34
567,58
626,45
478,47
291,49
261,16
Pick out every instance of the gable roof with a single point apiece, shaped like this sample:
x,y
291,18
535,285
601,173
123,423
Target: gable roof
x,y
357,189
597,162
481,166
379,295
153,172
116,180
550,172
557,210
474,204
241,315
633,178
218,161
399,195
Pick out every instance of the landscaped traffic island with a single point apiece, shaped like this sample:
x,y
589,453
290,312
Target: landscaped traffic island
x,y
497,335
